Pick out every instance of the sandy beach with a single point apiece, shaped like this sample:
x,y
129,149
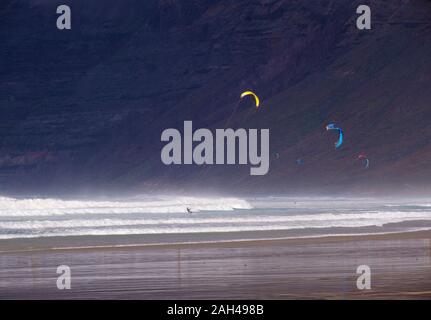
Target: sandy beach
x,y
309,268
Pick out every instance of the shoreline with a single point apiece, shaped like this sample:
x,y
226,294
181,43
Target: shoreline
x,y
24,243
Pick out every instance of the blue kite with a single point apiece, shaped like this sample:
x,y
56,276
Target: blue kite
x,y
332,126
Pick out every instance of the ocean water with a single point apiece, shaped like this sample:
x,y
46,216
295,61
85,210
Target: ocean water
x,y
163,215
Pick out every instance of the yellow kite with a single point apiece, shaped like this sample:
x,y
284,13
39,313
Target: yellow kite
x,y
248,93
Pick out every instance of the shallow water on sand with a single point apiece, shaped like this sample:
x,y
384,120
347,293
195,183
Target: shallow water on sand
x,y
282,269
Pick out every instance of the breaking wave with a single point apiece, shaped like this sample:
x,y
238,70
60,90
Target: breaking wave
x,y
27,218
47,207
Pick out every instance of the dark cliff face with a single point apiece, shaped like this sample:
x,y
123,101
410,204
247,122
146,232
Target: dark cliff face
x,y
85,108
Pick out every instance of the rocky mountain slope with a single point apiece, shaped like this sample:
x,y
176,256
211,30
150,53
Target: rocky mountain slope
x,y
84,109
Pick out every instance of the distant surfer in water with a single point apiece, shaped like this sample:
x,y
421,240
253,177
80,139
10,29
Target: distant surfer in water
x,y
189,210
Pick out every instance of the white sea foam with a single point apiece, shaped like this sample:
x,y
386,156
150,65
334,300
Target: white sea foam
x,y
47,207
324,220
23,218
